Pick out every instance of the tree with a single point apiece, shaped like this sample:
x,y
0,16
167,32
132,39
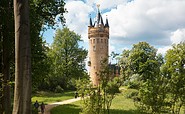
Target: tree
x,y
140,60
125,65
143,62
67,58
139,55
42,12
101,96
22,94
174,71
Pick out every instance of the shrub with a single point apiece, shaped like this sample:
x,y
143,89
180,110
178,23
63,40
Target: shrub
x,y
58,89
132,93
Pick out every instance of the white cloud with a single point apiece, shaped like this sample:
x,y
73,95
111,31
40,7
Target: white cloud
x,y
77,18
146,20
178,36
158,22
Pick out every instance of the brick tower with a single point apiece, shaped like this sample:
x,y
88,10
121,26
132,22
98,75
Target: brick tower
x,y
98,34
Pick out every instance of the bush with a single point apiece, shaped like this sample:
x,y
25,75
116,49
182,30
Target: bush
x,y
134,81
132,93
58,89
133,85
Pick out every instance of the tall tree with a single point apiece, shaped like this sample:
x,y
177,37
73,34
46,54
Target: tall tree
x,y
22,94
174,71
143,62
42,13
67,56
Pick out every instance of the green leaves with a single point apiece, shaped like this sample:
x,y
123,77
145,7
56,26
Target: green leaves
x,y
174,70
67,57
161,82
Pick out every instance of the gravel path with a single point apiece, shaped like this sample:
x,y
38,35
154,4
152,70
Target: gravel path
x,y
52,105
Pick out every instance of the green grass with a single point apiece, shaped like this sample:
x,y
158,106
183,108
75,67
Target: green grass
x,y
66,109
120,105
50,97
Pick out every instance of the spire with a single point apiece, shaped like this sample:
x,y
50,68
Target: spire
x,y
99,20
107,23
90,22
98,17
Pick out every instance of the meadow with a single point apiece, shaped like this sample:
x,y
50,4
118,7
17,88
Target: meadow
x,y
121,105
50,97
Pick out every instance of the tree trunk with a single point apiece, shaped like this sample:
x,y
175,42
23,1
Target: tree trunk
x,y
22,93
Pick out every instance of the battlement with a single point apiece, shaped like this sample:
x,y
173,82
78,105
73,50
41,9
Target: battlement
x,y
98,32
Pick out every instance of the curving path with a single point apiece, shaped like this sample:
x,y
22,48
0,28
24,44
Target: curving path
x,y
52,105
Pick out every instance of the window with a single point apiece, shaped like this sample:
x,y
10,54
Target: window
x,y
105,41
93,41
101,40
94,48
97,40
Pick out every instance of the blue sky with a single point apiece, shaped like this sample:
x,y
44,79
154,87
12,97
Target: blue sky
x,y
161,23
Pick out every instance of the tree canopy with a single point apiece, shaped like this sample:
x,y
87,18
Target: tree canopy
x,y
67,57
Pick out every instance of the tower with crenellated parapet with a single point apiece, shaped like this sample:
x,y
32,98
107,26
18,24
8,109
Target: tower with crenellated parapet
x,y
98,35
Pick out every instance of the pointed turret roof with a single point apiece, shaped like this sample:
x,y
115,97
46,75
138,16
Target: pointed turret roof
x,y
101,20
107,23
90,22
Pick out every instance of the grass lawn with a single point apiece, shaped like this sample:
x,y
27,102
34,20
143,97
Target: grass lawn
x,y
120,105
50,97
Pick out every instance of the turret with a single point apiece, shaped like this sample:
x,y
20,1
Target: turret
x,y
90,22
107,23
98,35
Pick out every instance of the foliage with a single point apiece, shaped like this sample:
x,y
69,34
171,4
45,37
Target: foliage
x,y
141,68
99,98
42,16
125,66
41,13
67,59
132,93
160,82
58,89
134,81
6,53
174,72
